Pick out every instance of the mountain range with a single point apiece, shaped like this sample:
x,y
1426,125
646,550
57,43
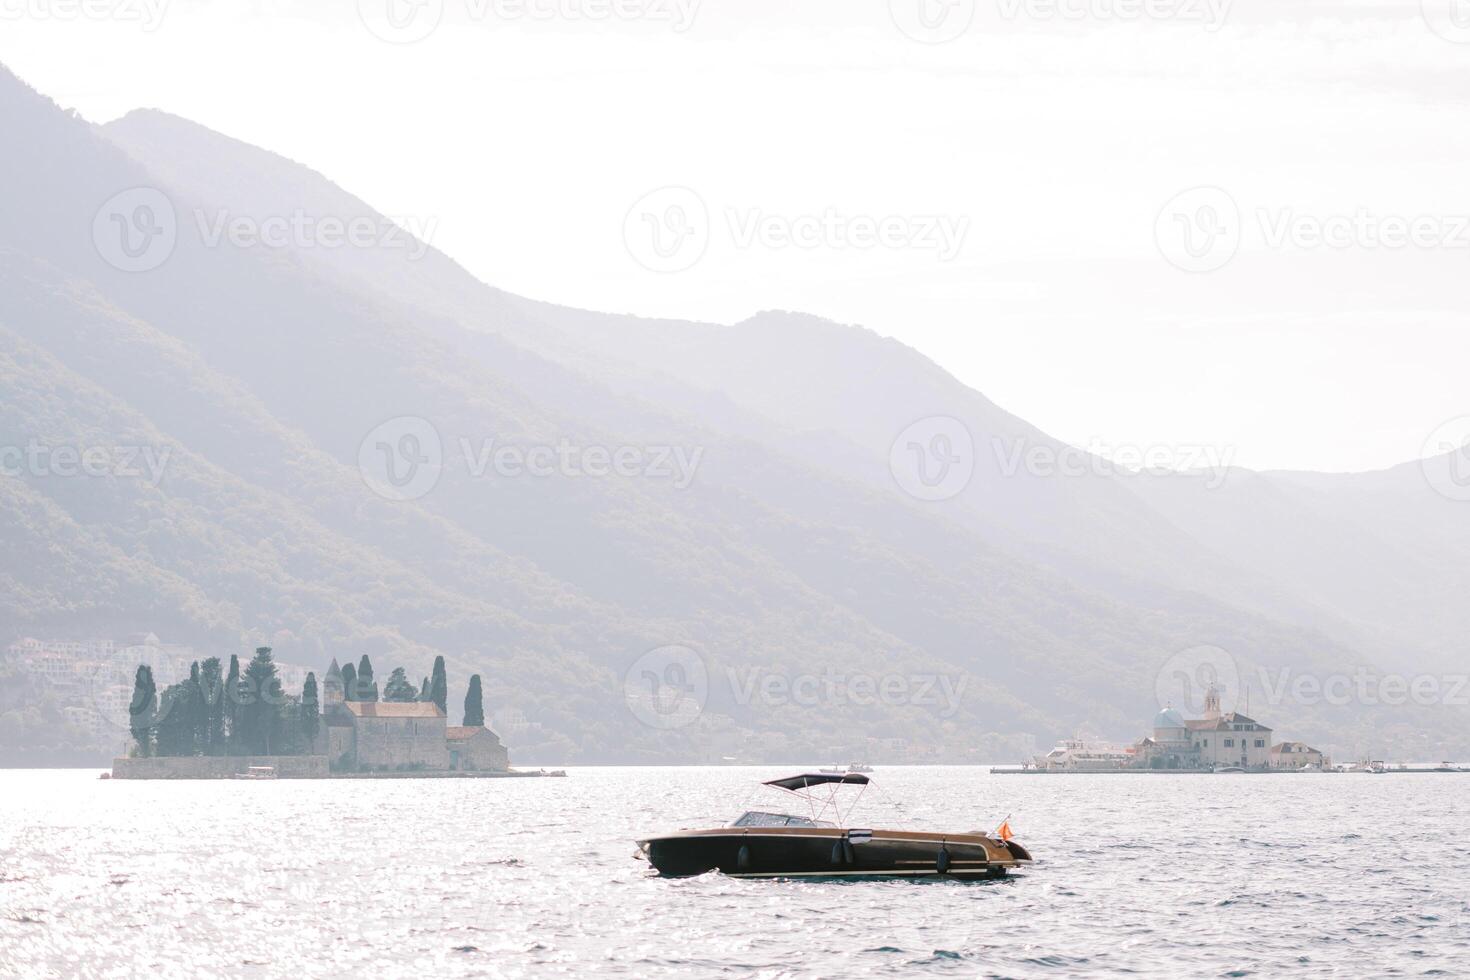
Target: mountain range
x,y
761,558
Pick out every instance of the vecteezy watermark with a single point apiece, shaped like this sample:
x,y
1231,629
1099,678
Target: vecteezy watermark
x,y
1202,678
942,234
1193,680
667,688
938,21
1364,686
410,21
1450,19
1198,230
932,21
147,14
404,459
833,688
301,229
136,230
676,464
933,459
67,461
1209,14
1099,458
1202,229
1445,459
669,230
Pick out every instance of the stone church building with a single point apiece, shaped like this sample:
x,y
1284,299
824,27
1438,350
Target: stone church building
x,y
406,736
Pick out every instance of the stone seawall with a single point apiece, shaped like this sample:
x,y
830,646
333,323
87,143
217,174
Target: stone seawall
x,y
219,767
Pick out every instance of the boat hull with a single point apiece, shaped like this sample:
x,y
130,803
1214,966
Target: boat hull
x,y
830,852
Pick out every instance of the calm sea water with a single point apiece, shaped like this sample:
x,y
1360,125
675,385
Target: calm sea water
x,y
1169,876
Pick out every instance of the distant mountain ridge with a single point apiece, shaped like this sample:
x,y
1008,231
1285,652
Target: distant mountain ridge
x,y
792,551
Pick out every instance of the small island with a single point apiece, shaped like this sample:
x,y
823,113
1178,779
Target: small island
x,y
220,723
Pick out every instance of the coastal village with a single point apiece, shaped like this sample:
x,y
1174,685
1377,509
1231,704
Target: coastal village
x,y
1219,742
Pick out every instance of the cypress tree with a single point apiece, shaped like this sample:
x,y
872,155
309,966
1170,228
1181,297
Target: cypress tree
x,y
398,689
440,691
367,688
197,720
174,726
211,685
425,693
232,708
474,705
143,710
310,711
262,714
349,683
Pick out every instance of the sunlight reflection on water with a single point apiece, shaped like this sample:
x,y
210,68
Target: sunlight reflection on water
x,y
1155,875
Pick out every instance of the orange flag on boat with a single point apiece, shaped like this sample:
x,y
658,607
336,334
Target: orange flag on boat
x,y
1005,833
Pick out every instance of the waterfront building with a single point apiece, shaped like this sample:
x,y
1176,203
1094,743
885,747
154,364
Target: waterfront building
x,y
400,735
1298,755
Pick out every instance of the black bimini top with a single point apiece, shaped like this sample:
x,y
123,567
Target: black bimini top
x,y
805,780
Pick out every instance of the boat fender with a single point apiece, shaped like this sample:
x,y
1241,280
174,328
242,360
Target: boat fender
x,y
847,853
941,863
742,858
837,855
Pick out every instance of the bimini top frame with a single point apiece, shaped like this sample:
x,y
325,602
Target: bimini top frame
x,y
819,790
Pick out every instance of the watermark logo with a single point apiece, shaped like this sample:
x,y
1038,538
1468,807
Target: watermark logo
x,y
676,464
1199,229
401,21
1364,687
410,21
402,459
303,230
1209,14
933,459
43,460
832,229
668,230
932,21
1190,678
148,14
1446,459
667,688
1450,19
136,230
940,693
1104,459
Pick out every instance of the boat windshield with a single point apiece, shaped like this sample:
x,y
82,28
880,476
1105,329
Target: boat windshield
x,y
760,818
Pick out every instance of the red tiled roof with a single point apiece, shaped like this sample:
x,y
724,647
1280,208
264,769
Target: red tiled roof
x,y
394,709
458,733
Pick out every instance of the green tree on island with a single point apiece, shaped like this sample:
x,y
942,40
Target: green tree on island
x,y
367,688
232,707
198,717
261,714
474,705
211,686
398,689
425,694
143,709
310,710
439,692
349,683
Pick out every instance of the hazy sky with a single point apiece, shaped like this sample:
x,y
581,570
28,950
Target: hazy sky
x,y
996,183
